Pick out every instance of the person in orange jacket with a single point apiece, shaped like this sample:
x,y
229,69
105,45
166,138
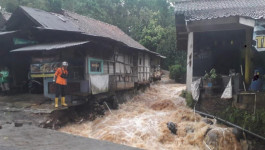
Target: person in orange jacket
x,y
60,78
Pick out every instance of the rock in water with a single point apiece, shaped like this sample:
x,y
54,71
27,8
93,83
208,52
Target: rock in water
x,y
208,121
172,127
221,138
238,133
189,129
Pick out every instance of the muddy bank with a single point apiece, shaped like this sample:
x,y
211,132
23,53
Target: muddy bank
x,y
39,111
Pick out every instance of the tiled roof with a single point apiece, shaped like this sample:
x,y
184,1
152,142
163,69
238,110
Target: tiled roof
x,y
209,9
97,28
70,21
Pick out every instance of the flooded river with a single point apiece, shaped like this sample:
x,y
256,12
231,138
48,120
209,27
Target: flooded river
x,y
142,123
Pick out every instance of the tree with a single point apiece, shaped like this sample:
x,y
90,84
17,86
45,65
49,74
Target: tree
x,y
54,6
151,22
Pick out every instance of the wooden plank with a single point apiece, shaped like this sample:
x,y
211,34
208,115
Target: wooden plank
x,y
111,68
105,68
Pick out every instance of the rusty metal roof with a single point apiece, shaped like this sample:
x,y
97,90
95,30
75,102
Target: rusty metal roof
x,y
70,21
50,46
209,9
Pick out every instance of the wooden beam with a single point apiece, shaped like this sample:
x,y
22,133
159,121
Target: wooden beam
x,y
247,22
219,24
214,21
219,27
248,55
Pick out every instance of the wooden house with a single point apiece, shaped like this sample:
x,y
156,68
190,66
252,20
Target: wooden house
x,y
102,58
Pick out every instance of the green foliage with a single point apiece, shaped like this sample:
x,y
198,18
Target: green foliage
x,y
254,123
212,75
152,35
151,22
48,5
54,5
177,72
188,98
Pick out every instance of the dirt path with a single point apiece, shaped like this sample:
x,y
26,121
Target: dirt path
x,y
142,122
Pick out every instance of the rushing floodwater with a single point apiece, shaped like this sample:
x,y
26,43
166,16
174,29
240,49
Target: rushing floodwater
x,y
141,122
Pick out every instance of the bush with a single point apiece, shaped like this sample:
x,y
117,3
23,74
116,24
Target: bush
x,y
188,98
178,73
254,123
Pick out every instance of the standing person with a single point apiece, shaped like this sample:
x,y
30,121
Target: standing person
x,y
60,78
4,74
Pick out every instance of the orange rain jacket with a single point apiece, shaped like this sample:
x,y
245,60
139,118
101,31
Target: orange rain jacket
x,y
59,79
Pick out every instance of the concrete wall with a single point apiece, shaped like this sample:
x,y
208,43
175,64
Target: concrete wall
x,y
189,62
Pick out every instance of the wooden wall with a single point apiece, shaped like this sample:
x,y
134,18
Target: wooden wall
x,y
144,66
125,76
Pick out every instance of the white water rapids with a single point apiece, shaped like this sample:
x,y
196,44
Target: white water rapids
x,y
141,122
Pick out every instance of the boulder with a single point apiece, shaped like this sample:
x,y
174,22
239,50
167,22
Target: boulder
x,y
172,127
221,138
238,133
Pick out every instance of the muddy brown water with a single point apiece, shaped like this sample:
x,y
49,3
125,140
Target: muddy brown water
x,y
142,123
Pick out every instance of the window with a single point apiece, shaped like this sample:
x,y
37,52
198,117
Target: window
x,y
95,66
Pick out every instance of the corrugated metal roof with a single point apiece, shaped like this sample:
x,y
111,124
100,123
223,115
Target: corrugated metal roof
x,y
161,56
209,9
50,20
7,32
74,22
49,46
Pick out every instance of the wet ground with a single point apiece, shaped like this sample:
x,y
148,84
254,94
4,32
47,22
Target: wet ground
x,y
33,138
31,112
142,122
26,108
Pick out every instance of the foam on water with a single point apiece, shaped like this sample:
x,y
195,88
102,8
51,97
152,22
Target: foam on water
x,y
141,122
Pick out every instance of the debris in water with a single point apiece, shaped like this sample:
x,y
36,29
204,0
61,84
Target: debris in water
x,y
172,127
189,129
208,121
